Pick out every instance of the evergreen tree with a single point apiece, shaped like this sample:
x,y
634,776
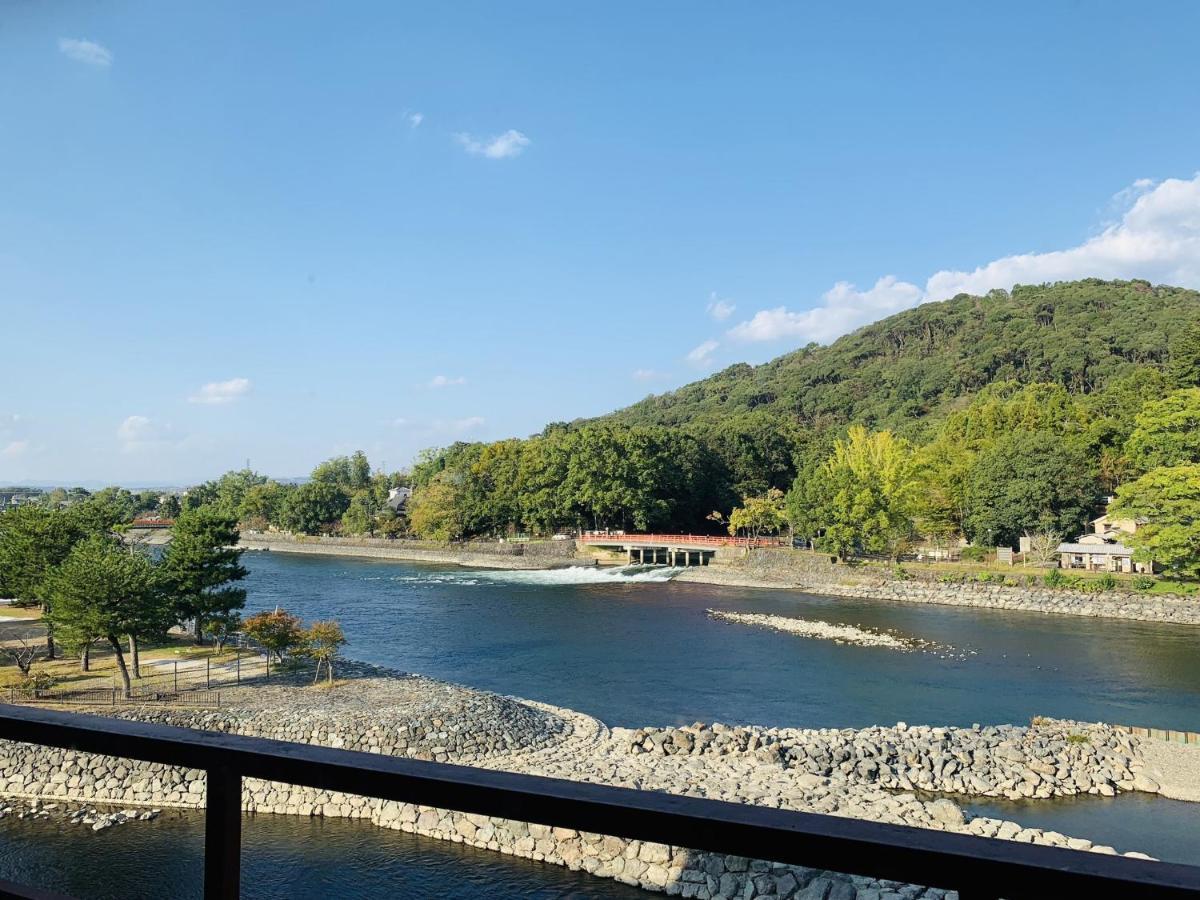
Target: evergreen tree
x,y
103,591
1185,357
201,564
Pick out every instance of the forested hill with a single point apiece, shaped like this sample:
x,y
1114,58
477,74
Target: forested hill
x,y
1080,334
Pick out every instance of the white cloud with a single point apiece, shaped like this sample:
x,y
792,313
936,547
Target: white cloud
x,y
441,381
218,392
502,146
700,355
400,422
83,51
843,308
142,433
720,309
415,119
13,449
646,374
1156,237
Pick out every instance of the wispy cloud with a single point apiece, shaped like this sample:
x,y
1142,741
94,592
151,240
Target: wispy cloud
x,y
720,309
415,119
219,392
441,381
143,433
647,374
85,51
702,354
13,449
843,308
502,146
1156,236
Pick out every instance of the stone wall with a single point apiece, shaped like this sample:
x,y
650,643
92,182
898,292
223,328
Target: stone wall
x,y
484,554
27,771
816,573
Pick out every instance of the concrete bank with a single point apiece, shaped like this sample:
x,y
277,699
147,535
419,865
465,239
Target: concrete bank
x,y
476,554
814,573
865,773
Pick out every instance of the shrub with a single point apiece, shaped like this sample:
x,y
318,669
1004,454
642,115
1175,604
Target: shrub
x,y
901,574
1009,581
1143,583
976,554
1078,739
1107,581
1054,578
950,578
1089,585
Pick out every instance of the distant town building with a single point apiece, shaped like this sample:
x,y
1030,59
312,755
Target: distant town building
x,y
1101,549
398,498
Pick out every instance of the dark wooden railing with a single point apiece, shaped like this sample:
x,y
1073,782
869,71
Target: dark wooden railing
x,y
975,867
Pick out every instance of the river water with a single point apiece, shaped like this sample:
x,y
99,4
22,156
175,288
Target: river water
x,y
632,647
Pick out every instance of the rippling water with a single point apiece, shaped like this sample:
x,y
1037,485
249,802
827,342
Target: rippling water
x,y
634,648
283,858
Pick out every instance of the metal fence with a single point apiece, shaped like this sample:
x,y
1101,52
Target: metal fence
x,y
978,868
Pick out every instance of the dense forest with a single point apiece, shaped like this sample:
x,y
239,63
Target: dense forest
x,y
988,418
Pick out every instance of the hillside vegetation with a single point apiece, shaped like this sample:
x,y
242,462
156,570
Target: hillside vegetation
x,y
918,363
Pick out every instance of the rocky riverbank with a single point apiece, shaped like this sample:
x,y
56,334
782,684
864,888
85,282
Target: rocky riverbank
x,y
814,573
883,774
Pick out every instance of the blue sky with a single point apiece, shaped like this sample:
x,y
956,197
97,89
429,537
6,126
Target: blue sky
x,y
281,231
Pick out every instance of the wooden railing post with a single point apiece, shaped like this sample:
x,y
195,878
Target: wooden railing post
x,y
222,835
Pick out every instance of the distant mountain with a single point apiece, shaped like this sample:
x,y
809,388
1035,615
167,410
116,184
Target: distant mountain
x,y
915,364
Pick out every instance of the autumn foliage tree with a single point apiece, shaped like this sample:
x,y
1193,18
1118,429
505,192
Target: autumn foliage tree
x,y
277,631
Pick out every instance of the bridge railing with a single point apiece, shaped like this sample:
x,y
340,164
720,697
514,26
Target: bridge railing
x,y
978,868
680,540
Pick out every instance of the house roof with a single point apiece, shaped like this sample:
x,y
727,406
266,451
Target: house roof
x,y
1096,549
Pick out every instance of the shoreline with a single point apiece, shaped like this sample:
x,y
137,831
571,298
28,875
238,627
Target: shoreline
x,y
807,573
880,773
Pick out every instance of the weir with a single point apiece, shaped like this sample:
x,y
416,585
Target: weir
x,y
677,557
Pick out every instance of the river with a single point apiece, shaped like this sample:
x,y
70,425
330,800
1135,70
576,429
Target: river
x,y
634,648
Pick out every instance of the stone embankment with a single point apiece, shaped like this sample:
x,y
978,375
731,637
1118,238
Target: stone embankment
x,y
814,573
874,774
1052,759
477,554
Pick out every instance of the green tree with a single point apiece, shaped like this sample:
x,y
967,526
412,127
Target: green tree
x,y
1166,503
313,507
1185,356
34,540
1030,480
360,471
759,515
359,517
104,591
106,510
435,510
262,505
322,642
1167,432
278,632
201,565
865,494
220,627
